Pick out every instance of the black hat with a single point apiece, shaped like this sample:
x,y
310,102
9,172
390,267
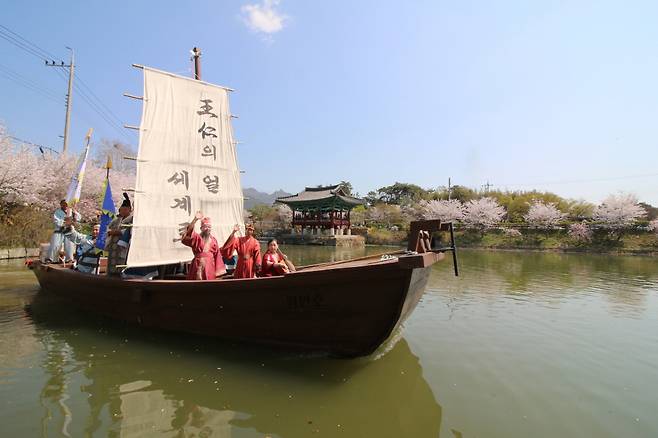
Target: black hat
x,y
126,201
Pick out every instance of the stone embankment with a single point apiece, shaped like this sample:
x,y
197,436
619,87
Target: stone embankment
x,y
18,253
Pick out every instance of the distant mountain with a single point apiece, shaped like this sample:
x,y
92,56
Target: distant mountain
x,y
254,197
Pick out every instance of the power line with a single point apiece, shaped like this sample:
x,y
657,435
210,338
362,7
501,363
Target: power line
x,y
29,84
41,147
576,181
25,44
87,94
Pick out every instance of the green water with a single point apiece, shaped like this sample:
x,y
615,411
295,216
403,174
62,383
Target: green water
x,y
521,345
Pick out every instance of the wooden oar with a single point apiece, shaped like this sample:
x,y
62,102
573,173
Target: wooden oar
x,y
379,255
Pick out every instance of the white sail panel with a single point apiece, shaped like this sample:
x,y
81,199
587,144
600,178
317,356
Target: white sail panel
x,y
186,162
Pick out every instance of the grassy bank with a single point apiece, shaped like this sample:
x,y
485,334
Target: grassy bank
x,y
554,240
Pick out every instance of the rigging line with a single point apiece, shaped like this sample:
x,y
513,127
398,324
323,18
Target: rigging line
x,y
29,87
28,42
613,178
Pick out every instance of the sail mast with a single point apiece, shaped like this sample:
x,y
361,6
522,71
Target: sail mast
x,y
196,57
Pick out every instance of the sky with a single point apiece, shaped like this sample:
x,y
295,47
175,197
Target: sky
x,y
554,95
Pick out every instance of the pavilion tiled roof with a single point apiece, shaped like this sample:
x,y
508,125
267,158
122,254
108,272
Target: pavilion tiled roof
x,y
324,197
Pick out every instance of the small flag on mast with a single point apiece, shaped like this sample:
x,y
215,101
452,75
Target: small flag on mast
x,y
107,213
75,187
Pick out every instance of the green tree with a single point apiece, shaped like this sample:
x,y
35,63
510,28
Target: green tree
x,y
398,194
347,187
652,212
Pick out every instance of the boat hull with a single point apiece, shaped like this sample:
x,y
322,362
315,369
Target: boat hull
x,y
345,310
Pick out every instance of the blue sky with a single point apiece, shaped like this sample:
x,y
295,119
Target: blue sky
x,y
559,96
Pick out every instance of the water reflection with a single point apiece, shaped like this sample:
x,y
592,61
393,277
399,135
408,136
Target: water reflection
x,y
138,383
551,278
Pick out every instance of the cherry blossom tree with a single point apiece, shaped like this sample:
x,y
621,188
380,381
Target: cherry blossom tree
x,y
40,180
619,211
444,210
653,226
482,213
580,232
543,216
512,232
284,215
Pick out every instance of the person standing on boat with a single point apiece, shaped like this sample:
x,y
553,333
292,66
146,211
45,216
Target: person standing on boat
x,y
116,243
248,252
207,263
275,262
58,239
90,255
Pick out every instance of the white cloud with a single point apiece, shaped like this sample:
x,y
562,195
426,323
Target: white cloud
x,y
264,17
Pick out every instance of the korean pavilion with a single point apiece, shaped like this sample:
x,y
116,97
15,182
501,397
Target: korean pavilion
x,y
321,210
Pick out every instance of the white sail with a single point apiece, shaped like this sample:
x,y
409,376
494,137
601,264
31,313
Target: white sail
x,y
186,162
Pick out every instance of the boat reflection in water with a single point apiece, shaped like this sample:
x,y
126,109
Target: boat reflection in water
x,y
125,381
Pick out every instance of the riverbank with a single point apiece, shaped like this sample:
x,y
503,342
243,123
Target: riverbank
x,y
18,253
601,241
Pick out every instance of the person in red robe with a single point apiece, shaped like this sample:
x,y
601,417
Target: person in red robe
x,y
248,252
207,263
275,262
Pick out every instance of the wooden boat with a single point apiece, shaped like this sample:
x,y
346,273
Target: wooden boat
x,y
186,162
343,308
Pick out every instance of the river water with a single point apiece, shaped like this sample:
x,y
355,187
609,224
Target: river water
x,y
520,345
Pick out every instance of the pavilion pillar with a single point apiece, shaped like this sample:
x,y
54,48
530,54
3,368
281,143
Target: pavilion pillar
x,y
332,231
349,231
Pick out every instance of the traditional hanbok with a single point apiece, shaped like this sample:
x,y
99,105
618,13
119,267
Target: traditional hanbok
x,y
207,263
270,265
57,240
248,255
88,260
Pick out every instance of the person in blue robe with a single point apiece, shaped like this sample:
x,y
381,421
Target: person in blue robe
x,y
89,255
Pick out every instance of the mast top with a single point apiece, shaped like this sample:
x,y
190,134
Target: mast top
x,y
196,57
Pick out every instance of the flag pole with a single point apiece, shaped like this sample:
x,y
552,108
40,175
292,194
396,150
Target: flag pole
x,y
108,166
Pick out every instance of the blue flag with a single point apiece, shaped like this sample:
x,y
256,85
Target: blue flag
x,y
108,212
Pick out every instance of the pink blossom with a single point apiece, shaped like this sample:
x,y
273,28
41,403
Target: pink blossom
x,y
653,226
41,179
544,216
619,211
580,232
512,232
446,211
483,213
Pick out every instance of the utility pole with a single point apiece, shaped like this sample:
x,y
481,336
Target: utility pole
x,y
69,95
196,57
449,189
487,186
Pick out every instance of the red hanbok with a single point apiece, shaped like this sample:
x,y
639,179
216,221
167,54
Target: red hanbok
x,y
270,266
248,255
207,263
